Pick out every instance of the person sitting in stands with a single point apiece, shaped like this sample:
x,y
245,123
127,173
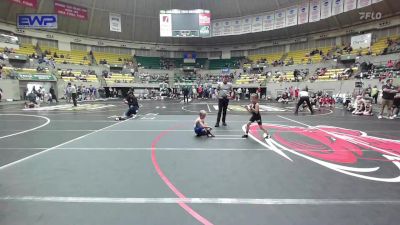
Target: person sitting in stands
x,y
55,55
389,64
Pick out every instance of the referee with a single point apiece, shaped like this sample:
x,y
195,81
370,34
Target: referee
x,y
225,91
304,97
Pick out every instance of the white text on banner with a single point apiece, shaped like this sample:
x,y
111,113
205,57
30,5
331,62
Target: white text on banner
x,y
227,28
216,29
337,7
326,9
115,22
268,21
256,25
246,25
165,25
315,11
291,16
236,26
280,19
363,3
350,5
303,12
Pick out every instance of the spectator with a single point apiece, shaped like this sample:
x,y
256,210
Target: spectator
x,y
396,104
390,64
368,91
375,93
388,94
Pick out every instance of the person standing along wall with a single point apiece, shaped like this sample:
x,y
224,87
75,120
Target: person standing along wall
x,y
53,94
375,93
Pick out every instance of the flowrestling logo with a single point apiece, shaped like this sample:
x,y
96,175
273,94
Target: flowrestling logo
x,y
350,152
36,21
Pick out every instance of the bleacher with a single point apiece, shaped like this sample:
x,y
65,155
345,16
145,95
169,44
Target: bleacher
x,y
11,72
119,78
217,64
269,57
77,76
302,56
178,63
112,58
334,74
287,76
185,78
70,57
383,70
148,62
25,49
247,79
25,70
378,47
201,62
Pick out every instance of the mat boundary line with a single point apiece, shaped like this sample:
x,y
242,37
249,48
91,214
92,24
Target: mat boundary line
x,y
239,201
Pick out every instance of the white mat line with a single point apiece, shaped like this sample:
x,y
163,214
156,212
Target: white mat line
x,y
245,120
184,149
69,121
227,138
165,149
54,147
235,201
28,130
217,131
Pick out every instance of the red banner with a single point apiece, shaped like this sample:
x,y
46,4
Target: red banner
x,y
204,19
29,3
70,10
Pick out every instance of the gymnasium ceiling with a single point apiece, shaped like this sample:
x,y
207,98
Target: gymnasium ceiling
x,y
140,18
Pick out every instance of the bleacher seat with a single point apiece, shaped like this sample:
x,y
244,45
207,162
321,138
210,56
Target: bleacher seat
x,y
78,76
217,64
148,62
269,57
246,79
112,58
70,57
25,49
120,78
